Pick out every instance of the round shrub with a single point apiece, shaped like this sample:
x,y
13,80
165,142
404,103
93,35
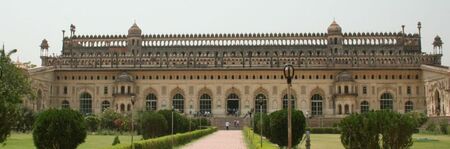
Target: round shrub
x,y
59,129
265,124
152,125
108,118
92,122
366,130
278,126
181,123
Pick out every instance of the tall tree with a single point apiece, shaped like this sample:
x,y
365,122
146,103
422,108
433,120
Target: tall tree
x,y
14,86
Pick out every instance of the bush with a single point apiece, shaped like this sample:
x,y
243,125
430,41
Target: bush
x,y
108,118
181,123
92,122
365,130
59,129
152,125
116,141
443,126
265,125
278,123
166,141
26,120
431,127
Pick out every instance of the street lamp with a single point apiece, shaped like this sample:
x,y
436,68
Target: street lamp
x,y
132,124
260,102
288,74
172,125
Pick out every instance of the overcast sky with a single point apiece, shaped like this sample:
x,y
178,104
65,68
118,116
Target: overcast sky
x,y
24,23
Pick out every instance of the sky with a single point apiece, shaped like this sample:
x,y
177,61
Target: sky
x,y
24,23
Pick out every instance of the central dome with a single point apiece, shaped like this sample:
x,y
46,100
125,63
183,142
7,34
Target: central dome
x,y
334,28
134,30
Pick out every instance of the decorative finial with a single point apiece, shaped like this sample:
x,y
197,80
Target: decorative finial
x,y
403,29
72,30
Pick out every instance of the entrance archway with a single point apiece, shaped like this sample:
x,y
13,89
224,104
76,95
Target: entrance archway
x,y
233,104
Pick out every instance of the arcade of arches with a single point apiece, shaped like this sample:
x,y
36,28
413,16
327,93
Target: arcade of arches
x,y
317,97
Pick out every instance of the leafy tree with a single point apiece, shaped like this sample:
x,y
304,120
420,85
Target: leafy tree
x,y
152,125
14,85
59,129
181,123
92,122
379,129
26,119
108,118
278,123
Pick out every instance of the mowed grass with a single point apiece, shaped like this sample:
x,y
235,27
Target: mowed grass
x,y
25,141
332,141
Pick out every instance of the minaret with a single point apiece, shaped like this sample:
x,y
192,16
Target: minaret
x,y
437,45
334,37
419,27
44,48
134,42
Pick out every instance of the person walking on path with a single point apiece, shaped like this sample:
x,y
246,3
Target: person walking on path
x,y
227,124
237,123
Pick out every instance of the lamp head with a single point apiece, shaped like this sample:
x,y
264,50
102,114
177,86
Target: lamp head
x,y
288,72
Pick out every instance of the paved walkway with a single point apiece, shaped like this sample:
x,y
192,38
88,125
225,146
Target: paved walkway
x,y
222,139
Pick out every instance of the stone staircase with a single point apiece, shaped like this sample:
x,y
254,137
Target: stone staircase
x,y
219,122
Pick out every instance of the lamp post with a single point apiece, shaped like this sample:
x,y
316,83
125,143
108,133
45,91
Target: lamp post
x,y
288,74
190,114
171,136
132,124
260,102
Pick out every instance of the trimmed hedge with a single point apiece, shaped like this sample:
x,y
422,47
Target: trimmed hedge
x,y
323,130
253,140
166,141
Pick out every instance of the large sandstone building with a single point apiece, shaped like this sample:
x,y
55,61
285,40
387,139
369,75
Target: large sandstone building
x,y
336,73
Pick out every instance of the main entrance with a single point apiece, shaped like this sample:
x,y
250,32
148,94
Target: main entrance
x,y
233,104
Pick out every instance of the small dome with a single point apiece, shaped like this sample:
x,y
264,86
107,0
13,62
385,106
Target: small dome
x,y
334,28
437,42
134,30
124,77
344,76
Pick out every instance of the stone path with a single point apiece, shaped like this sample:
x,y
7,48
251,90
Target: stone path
x,y
222,139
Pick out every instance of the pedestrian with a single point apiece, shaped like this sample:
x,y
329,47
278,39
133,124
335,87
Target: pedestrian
x,y
227,124
237,123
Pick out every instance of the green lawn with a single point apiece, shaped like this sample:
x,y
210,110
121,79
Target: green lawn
x,y
332,141
25,141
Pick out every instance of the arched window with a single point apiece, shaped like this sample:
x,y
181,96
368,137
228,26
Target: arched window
x,y
150,102
105,105
316,105
85,103
205,103
122,107
339,109
386,102
264,103
409,106
65,104
285,101
346,109
364,107
178,103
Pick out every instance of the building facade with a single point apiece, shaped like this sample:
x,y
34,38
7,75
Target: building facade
x,y
336,73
